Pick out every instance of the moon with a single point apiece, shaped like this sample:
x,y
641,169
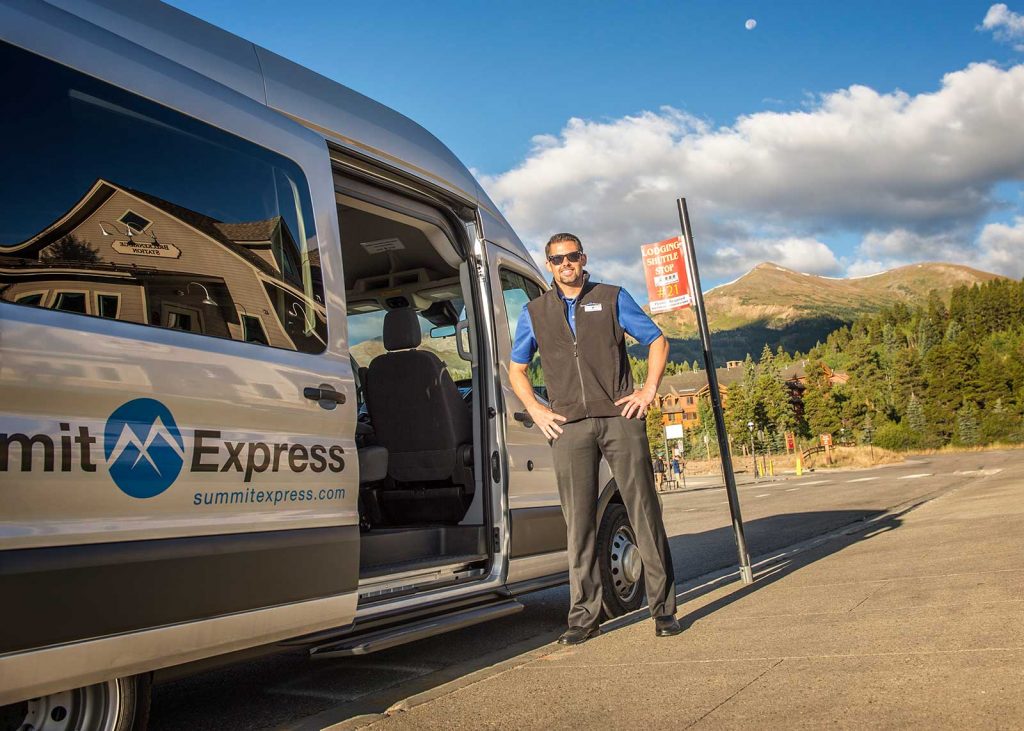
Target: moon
x,y
750,24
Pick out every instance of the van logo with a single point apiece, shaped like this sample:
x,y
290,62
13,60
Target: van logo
x,y
143,447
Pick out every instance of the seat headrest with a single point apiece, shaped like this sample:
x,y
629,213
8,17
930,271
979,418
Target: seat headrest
x,y
401,329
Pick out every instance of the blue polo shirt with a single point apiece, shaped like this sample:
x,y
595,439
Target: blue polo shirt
x,y
634,321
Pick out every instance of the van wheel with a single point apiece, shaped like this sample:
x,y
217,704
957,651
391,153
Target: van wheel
x,y
116,705
621,569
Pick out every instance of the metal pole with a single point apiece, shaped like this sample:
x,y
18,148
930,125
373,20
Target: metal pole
x,y
753,454
697,297
682,454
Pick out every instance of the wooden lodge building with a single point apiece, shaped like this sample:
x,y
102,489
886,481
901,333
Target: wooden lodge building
x,y
679,395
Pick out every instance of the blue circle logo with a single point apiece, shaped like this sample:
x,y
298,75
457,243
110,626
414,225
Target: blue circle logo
x,y
144,448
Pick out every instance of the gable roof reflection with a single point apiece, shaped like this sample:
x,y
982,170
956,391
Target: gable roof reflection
x,y
233,236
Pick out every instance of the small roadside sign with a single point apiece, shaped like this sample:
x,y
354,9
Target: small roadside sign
x,y
665,272
790,441
826,440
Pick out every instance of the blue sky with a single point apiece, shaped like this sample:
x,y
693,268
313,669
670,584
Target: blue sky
x,y
835,138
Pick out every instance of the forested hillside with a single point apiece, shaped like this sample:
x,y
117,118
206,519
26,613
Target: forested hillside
x,y
920,375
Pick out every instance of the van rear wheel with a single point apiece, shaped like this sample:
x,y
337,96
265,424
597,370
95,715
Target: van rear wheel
x,y
115,705
622,572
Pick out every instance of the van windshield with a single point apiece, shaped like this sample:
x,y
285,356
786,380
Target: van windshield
x,y
366,340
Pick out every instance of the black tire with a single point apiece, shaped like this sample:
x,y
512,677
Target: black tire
x,y
619,595
121,704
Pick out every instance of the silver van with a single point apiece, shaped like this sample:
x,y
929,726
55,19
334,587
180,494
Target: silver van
x,y
254,334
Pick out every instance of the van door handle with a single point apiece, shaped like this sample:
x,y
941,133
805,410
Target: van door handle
x,y
323,393
524,418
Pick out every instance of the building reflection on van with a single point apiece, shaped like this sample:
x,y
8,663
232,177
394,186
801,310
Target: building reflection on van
x,y
125,255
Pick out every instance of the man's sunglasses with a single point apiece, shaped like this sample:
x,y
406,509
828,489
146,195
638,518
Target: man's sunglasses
x,y
573,256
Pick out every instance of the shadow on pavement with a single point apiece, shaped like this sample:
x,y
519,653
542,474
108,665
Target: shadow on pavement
x,y
772,569
284,691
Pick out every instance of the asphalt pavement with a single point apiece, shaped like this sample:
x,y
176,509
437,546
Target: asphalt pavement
x,y
289,691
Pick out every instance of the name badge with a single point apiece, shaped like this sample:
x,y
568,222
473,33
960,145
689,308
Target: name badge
x,y
592,307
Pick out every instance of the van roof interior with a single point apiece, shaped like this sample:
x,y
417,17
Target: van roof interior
x,y
385,251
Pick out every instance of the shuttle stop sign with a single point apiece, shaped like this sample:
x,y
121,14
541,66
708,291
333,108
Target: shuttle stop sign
x,y
665,271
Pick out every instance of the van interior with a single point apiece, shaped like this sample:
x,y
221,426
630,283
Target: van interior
x,y
421,502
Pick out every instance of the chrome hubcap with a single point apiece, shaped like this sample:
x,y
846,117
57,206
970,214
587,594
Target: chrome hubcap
x,y
626,566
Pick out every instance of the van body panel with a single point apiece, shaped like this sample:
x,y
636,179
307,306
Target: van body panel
x,y
163,29
357,122
251,535
32,674
169,581
63,368
536,522
497,231
537,530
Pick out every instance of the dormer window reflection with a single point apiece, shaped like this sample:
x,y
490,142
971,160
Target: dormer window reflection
x,y
134,222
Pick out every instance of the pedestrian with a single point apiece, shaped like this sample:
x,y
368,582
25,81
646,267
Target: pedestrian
x,y
659,471
676,468
579,327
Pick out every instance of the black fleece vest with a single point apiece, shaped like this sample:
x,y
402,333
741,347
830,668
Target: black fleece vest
x,y
584,375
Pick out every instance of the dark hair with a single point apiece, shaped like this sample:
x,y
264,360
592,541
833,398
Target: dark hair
x,y
559,238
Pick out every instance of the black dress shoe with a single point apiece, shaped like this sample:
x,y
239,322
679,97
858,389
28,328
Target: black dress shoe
x,y
667,626
578,635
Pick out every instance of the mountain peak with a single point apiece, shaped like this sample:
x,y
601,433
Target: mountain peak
x,y
777,305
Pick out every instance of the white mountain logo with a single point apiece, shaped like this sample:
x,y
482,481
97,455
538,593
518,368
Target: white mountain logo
x,y
128,438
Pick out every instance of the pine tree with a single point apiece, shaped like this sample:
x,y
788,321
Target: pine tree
x,y
867,429
774,411
655,431
639,368
915,415
70,248
968,431
821,412
705,432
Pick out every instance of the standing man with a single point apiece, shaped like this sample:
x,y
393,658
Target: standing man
x,y
579,327
659,472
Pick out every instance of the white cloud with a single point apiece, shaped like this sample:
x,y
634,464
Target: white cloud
x,y
997,248
1006,25
901,246
866,267
798,253
1001,248
855,160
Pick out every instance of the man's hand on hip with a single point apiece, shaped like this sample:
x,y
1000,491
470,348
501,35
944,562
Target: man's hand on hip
x,y
547,420
636,404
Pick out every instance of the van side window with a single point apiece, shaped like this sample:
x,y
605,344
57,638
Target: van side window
x,y
124,209
517,290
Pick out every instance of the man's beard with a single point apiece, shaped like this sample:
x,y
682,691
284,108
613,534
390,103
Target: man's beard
x,y
571,278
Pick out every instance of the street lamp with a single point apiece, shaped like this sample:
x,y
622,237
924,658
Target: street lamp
x,y
207,300
753,457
